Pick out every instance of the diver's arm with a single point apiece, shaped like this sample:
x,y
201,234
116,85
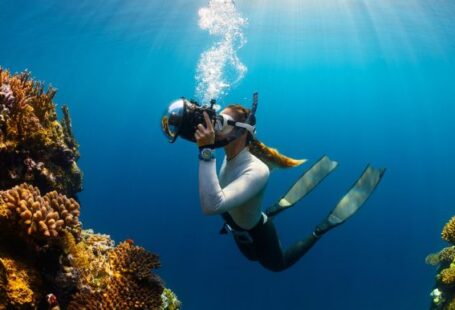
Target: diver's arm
x,y
217,200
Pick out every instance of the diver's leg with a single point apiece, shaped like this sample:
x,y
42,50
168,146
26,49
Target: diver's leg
x,y
348,206
269,251
247,249
268,246
298,249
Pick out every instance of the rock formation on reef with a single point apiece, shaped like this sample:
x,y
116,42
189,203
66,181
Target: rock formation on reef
x,y
443,295
47,259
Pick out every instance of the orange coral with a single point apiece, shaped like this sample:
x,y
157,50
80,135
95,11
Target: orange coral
x,y
41,216
448,233
34,146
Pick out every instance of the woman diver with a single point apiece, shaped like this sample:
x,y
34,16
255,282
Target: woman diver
x,y
238,192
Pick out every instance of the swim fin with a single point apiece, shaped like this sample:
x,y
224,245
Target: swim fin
x,y
309,180
353,200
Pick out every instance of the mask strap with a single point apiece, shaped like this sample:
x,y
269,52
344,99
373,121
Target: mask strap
x,y
251,129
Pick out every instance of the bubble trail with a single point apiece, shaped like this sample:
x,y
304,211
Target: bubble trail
x,y
219,68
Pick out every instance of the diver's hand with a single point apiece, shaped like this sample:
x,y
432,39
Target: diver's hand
x,y
205,136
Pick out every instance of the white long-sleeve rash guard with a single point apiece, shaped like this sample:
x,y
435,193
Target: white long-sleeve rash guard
x,y
239,190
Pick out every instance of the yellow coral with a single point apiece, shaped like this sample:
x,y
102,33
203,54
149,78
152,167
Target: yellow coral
x,y
447,276
448,233
22,284
89,259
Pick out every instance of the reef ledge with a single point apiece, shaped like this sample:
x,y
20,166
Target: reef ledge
x,y
47,259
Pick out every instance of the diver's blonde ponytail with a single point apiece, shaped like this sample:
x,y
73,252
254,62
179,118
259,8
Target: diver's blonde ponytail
x,y
272,157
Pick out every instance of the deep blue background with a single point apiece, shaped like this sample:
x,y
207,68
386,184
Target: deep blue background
x,y
362,81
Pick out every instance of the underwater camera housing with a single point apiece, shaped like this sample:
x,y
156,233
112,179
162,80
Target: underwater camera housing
x,y
183,116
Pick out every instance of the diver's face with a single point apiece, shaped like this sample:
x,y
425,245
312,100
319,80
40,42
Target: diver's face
x,y
226,133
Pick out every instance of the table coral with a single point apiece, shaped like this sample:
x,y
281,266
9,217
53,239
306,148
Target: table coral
x,y
133,260
34,146
130,282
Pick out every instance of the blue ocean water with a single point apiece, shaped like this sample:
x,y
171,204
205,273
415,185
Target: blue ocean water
x,y
362,81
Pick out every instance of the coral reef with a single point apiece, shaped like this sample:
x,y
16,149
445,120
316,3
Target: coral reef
x,y
443,295
90,273
47,261
34,146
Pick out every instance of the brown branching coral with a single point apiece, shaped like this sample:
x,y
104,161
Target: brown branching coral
x,y
34,146
448,233
40,216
